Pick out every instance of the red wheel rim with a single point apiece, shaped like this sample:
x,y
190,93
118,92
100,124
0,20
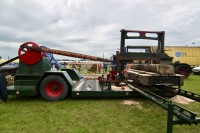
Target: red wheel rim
x,y
53,89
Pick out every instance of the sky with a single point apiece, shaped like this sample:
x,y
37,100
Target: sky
x,y
93,27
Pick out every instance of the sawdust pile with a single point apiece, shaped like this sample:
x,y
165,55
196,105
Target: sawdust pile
x,y
181,99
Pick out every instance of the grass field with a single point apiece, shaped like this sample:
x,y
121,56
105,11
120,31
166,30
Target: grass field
x,y
34,115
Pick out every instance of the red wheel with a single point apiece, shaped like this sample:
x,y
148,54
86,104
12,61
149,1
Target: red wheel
x,y
29,56
53,88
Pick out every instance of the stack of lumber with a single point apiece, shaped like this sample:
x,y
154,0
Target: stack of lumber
x,y
153,74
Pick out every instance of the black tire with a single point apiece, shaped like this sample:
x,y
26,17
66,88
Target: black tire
x,y
196,73
54,88
183,69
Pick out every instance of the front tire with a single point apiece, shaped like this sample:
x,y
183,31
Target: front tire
x,y
54,88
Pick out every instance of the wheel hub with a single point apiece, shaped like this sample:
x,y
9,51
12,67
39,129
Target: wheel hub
x,y
55,88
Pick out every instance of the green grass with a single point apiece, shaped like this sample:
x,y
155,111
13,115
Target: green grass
x,y
192,84
34,115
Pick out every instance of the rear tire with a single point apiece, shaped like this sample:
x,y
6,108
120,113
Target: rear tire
x,y
54,88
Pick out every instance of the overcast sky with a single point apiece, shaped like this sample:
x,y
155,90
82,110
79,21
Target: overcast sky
x,y
93,26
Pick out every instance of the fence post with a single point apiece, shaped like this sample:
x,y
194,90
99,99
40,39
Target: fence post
x,y
170,117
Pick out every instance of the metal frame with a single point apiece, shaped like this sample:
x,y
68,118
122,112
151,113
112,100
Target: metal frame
x,y
183,116
123,56
142,35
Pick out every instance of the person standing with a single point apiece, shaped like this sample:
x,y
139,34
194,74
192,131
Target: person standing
x,y
105,66
99,68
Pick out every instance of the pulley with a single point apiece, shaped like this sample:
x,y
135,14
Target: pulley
x,y
27,55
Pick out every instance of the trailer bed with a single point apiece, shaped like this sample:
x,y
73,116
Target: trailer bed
x,y
86,85
92,88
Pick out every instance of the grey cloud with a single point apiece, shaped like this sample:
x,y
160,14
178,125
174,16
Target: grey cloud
x,y
93,26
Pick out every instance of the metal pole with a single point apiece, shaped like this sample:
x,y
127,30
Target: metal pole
x,y
170,118
103,66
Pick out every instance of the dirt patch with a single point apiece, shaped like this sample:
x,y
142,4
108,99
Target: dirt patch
x,y
132,102
181,99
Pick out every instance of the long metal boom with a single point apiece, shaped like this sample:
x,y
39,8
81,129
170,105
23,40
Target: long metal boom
x,y
66,53
6,62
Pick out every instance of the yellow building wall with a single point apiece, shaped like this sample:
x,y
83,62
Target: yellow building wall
x,y
189,55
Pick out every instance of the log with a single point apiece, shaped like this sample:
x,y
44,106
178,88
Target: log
x,y
161,69
166,69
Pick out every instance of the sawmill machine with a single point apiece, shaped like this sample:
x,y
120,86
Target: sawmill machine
x,y
145,54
